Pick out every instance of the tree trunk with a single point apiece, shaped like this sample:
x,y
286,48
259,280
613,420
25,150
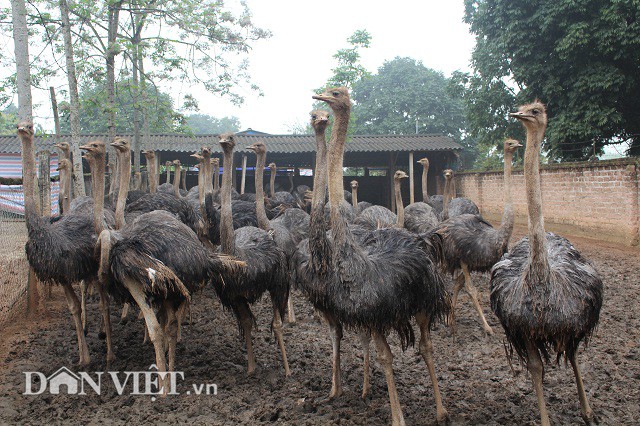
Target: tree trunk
x,y
136,105
112,50
21,49
74,102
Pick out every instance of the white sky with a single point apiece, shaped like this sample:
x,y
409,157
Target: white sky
x,y
298,57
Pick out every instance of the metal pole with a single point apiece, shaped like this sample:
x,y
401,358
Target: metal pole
x,y
244,173
411,189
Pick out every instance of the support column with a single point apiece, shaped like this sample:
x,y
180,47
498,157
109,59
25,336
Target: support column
x,y
411,184
244,173
392,193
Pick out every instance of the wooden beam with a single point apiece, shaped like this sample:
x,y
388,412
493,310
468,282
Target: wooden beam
x,y
244,173
411,187
392,193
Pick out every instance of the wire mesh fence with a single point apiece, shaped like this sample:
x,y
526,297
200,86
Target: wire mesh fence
x,y
14,269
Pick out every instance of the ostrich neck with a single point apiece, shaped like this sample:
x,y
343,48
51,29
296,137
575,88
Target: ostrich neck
x,y
97,189
151,175
216,176
538,251
317,227
65,186
226,214
354,197
201,178
207,175
341,234
28,179
447,198
261,214
399,205
124,158
272,183
168,175
506,227
425,190
176,181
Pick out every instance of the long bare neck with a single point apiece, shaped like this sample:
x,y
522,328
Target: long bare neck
x,y
29,178
125,175
425,189
152,175
226,215
168,175
318,244
263,221
506,227
176,181
201,178
207,168
399,205
216,176
65,187
537,246
272,182
336,192
447,198
97,185
354,197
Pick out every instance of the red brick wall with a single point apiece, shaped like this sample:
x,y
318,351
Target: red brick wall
x,y
592,199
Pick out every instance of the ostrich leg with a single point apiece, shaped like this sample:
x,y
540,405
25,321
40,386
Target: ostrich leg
x,y
106,318
76,310
84,285
336,337
460,278
246,322
471,290
276,325
125,312
291,315
426,350
171,331
587,414
534,365
385,357
156,334
365,339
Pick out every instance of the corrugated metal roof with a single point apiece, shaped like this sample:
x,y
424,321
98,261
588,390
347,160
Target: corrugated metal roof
x,y
287,144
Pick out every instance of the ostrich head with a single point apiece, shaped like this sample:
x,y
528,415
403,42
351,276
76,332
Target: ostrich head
x,y
167,164
511,145
215,162
205,151
149,154
424,162
400,175
63,146
121,144
94,148
354,184
197,156
64,164
337,98
533,116
227,142
259,148
448,174
25,128
272,166
176,163
319,120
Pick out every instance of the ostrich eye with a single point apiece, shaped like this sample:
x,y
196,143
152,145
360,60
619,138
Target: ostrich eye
x,y
313,117
536,112
336,93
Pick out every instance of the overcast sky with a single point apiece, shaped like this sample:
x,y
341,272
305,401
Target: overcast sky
x,y
298,57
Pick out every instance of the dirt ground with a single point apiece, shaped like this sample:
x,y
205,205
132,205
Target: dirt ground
x,y
476,381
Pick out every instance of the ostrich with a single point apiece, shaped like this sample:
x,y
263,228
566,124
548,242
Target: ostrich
x,y
380,281
357,206
472,244
60,250
152,171
65,168
376,217
280,197
458,205
397,178
265,271
435,201
545,293
167,186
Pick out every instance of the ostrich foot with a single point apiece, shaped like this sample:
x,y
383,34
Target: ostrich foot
x,y
487,329
336,392
442,418
589,418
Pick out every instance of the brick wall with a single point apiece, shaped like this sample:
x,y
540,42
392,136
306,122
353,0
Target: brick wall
x,y
599,199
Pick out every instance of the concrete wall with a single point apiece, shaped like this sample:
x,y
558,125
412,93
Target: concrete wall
x,y
598,200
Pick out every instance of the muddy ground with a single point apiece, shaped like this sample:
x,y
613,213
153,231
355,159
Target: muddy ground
x,y
476,381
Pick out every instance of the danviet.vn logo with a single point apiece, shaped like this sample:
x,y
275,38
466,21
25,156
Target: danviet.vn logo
x,y
151,383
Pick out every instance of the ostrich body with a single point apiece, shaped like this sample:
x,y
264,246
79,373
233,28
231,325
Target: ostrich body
x,y
378,282
265,271
376,217
472,244
458,205
545,293
60,249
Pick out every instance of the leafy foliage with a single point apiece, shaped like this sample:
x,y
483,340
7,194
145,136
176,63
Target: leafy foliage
x,y
349,69
581,58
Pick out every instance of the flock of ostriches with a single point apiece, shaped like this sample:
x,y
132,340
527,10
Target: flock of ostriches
x,y
361,266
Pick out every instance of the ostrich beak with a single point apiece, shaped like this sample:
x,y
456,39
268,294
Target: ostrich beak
x,y
85,147
518,145
520,115
326,97
253,147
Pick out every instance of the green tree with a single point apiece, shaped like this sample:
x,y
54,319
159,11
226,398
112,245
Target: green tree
x,y
163,117
581,58
349,69
202,124
8,120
